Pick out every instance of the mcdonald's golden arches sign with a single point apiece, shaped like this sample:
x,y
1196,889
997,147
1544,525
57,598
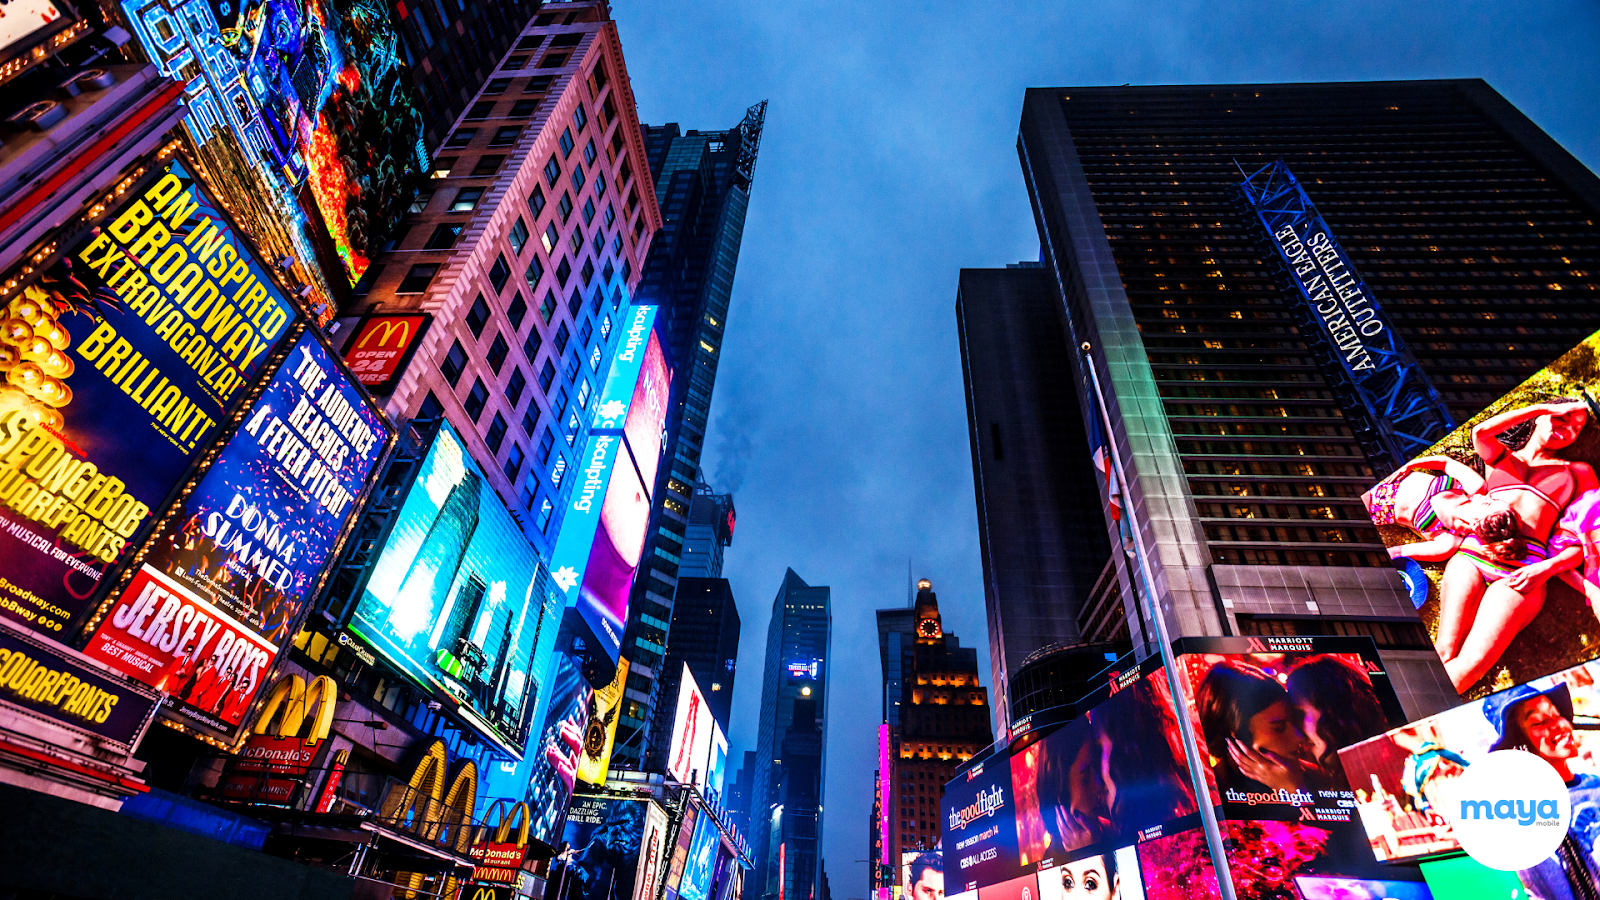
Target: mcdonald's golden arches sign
x,y
382,346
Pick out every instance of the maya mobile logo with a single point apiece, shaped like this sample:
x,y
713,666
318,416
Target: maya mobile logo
x,y
987,803
1509,810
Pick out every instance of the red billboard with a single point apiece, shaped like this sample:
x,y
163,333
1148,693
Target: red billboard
x,y
382,346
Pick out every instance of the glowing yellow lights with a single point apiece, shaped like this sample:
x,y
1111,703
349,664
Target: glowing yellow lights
x,y
805,691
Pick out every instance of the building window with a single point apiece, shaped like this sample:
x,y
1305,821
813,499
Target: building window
x,y
497,86
547,308
575,240
518,236
583,394
550,238
466,199
530,42
536,201
504,135
610,270
586,331
588,212
547,376
563,271
530,420
538,84
442,166
499,273
396,238
497,353
455,362
476,399
566,143
590,153
535,271
516,62
523,109
420,203
515,386
513,460
611,216
443,237
559,408
545,509
481,110
563,337
497,433
431,408
564,206
546,443
578,179
517,311
553,61
416,280
531,345
478,316
487,165
552,173
588,270
580,116
597,78
461,138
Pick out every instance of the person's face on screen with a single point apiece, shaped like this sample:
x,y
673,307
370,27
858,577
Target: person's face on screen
x,y
929,887
1086,879
1549,733
1277,728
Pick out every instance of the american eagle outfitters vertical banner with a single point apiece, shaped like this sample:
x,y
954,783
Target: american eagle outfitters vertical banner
x,y
245,552
120,362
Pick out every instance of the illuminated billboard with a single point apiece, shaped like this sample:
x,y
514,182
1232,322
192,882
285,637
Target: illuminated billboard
x,y
605,837
689,754
600,734
697,869
557,747
1503,566
121,362
246,548
1404,778
382,346
602,533
452,598
318,96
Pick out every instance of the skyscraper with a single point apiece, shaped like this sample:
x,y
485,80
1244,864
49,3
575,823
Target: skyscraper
x,y
710,529
703,179
705,628
935,717
1244,451
786,787
1039,528
452,46
508,277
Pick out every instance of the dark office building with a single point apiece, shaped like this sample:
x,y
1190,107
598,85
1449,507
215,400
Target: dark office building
x,y
1476,233
1038,510
736,797
786,786
705,637
1057,676
937,715
702,179
452,47
709,532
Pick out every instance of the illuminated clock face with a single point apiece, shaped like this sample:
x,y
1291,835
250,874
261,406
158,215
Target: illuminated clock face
x,y
928,628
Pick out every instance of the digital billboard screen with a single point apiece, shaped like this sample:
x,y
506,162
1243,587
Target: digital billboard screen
x,y
604,837
600,734
690,751
697,869
557,747
652,854
120,363
1503,566
1404,778
980,826
227,580
452,598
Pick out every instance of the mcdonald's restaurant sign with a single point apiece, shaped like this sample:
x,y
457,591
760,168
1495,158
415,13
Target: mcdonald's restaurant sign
x,y
382,346
277,758
473,890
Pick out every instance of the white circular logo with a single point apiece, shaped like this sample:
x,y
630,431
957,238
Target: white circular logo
x,y
1509,810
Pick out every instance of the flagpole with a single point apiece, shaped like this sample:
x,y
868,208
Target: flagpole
x,y
1180,696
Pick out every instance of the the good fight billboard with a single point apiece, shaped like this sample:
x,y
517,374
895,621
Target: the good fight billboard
x,y
452,600
222,588
120,362
1496,530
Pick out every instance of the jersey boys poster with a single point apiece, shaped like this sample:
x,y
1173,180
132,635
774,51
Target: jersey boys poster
x,y
224,584
119,363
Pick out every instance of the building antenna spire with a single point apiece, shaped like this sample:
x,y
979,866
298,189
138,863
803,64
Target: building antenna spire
x,y
911,587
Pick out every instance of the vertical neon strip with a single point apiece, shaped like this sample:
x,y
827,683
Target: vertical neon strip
x,y
885,782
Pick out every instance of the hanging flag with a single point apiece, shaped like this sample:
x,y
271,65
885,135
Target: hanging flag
x,y
1102,466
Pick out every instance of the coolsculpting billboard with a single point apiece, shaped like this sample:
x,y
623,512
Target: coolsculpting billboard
x,y
602,532
689,754
222,588
120,362
1504,566
1404,779
452,599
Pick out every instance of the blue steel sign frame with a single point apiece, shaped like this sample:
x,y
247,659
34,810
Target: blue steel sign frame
x,y
1388,400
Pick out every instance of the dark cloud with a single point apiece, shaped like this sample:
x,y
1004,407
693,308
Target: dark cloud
x,y
889,162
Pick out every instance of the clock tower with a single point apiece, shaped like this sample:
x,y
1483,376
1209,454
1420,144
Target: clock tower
x,y
930,629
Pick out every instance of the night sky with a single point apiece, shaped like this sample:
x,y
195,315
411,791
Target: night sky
x,y
889,162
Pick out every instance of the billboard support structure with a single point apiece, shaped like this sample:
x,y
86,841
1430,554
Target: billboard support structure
x,y
1180,701
1392,407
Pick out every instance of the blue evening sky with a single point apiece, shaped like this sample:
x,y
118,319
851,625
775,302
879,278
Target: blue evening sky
x,y
889,163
